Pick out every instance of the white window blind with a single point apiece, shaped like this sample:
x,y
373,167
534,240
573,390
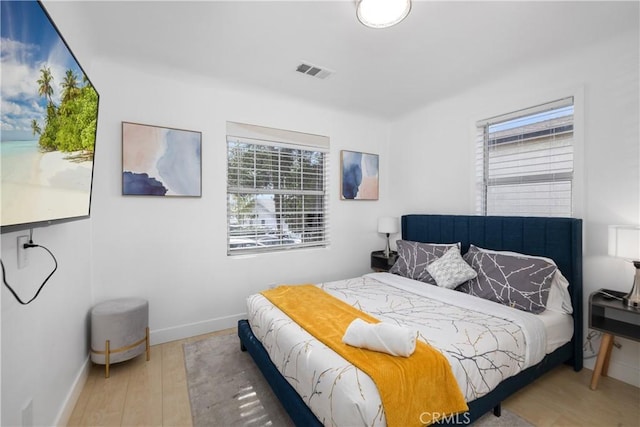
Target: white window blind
x,y
276,189
524,162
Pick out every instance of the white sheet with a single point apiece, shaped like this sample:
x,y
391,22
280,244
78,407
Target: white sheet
x,y
463,327
558,327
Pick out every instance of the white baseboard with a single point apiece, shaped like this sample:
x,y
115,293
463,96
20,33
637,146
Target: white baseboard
x,y
72,397
159,336
620,371
156,337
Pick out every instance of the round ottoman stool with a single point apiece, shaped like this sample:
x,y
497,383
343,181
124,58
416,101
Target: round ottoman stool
x,y
119,331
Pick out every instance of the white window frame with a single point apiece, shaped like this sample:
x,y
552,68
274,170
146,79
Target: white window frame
x,y
312,227
575,176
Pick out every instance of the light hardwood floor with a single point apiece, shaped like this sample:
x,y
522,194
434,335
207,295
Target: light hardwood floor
x,y
154,393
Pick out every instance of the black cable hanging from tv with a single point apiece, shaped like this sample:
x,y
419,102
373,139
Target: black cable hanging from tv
x,y
4,274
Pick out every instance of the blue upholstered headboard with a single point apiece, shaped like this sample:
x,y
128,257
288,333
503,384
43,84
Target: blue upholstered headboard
x,y
557,238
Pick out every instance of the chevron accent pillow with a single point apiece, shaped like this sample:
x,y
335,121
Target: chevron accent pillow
x,y
451,270
414,257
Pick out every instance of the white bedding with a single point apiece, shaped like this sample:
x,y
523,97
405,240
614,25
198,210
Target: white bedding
x,y
558,327
484,342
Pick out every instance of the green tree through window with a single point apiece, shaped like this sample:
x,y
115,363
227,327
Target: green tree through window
x,y
276,196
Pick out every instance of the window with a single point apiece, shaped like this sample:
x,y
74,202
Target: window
x,y
524,162
276,189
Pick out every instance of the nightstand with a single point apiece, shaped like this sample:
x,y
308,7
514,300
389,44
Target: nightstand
x,y
381,263
612,317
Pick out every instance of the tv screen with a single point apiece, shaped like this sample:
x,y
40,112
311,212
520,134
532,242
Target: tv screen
x,y
48,121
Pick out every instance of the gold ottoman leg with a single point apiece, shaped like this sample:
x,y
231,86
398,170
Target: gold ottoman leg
x,y
106,358
148,347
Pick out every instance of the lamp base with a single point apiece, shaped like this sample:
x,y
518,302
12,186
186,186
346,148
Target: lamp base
x,y
387,249
632,299
630,302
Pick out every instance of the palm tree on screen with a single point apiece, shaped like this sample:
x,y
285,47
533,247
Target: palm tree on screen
x,y
69,85
35,127
45,88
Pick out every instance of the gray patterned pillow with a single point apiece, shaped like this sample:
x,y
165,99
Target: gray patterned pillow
x,y
414,257
517,281
450,270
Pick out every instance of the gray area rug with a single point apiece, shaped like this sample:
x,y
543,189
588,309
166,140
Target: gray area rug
x,y
227,389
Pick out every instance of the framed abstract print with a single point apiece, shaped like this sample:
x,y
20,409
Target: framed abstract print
x,y
161,161
359,175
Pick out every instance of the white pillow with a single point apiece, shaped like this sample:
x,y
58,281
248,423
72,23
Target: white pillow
x,y
451,270
559,298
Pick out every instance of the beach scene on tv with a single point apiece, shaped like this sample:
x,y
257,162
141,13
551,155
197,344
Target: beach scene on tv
x,y
48,121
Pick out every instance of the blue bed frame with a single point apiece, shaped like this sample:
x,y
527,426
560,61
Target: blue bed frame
x,y
557,238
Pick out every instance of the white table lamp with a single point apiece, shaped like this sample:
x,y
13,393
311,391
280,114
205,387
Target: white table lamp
x,y
624,242
388,225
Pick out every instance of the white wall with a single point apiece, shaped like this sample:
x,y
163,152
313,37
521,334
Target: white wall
x,y
45,343
172,251
433,154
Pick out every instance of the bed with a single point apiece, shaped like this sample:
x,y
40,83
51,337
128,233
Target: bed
x,y
559,239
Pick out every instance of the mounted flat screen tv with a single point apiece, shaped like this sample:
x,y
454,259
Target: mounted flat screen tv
x,y
48,120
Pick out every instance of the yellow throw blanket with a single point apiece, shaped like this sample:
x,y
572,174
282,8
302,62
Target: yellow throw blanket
x,y
415,390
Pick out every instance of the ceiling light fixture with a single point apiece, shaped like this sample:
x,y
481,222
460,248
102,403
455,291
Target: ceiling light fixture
x,y
382,13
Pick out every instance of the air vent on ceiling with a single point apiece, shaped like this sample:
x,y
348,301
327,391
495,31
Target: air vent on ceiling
x,y
314,70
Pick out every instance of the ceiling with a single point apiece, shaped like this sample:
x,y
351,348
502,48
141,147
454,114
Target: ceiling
x,y
441,48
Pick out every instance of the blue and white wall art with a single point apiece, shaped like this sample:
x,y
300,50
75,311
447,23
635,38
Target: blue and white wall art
x,y
160,161
359,176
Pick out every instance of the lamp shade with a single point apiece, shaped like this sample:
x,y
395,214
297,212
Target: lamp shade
x,y
388,224
624,241
382,13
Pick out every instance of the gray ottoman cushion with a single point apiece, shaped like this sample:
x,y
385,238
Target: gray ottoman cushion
x,y
123,322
